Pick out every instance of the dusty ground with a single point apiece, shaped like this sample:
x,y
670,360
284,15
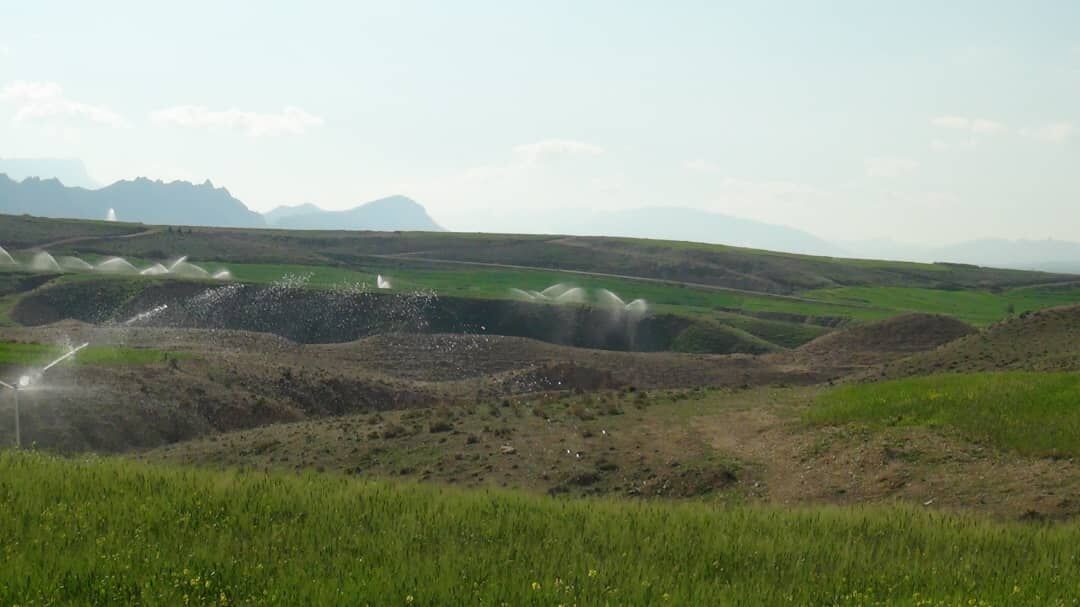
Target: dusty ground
x,y
497,411
1047,340
219,381
851,464
729,445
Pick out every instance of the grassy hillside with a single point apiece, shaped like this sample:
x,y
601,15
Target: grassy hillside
x,y
1031,413
780,299
678,261
24,231
977,307
104,532
38,354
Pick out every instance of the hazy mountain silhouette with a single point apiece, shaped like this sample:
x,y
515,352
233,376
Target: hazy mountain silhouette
x,y
1021,254
70,171
156,202
1047,255
677,223
182,203
272,217
392,213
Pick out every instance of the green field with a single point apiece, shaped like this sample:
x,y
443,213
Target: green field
x,y
1030,413
798,294
856,303
793,325
975,306
107,532
37,354
717,265
464,281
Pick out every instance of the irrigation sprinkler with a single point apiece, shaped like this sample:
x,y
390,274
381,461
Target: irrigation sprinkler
x,y
26,381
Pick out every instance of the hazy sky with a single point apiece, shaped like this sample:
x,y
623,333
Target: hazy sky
x,y
928,122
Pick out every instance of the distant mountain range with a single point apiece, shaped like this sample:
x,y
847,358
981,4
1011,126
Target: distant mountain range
x,y
179,202
677,223
1048,255
183,203
392,213
276,215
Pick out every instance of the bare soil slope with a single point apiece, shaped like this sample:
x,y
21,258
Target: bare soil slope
x,y
729,445
333,316
1047,340
875,343
217,380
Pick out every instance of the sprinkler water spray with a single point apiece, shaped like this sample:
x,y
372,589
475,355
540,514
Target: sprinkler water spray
x,y
25,381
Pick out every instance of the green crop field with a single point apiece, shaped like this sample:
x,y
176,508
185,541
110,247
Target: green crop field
x,y
492,283
464,281
37,354
855,303
107,532
781,287
1031,413
976,307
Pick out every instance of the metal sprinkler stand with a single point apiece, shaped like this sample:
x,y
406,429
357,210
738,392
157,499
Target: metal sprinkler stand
x,y
26,381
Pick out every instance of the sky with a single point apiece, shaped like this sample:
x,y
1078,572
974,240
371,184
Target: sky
x,y
924,122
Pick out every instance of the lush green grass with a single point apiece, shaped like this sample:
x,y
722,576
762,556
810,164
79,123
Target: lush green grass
x,y
36,354
856,303
1031,413
976,307
107,532
719,339
728,307
492,283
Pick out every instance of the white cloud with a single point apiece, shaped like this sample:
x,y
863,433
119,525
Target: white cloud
x,y
1056,132
536,153
45,102
975,126
889,166
290,121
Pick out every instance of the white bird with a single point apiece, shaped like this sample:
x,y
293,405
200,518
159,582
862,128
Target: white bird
x,y
383,283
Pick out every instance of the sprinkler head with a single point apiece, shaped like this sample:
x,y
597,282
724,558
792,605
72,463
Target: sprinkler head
x,y
24,381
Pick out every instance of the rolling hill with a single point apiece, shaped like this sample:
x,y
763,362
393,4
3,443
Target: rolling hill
x,y
1044,340
694,225
685,263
